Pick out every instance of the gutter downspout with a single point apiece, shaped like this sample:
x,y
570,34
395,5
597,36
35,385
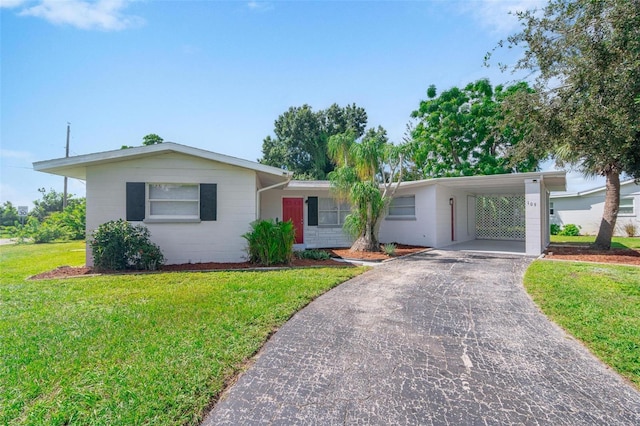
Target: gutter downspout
x,y
261,190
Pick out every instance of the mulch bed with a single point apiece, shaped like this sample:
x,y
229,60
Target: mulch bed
x,y
401,250
585,253
575,252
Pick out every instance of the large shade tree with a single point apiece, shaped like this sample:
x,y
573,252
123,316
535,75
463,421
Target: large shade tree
x,y
585,56
51,201
368,173
301,136
150,139
460,132
8,214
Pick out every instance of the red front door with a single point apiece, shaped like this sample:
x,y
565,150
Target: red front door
x,y
292,210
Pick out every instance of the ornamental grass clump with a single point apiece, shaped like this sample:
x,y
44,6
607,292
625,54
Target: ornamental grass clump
x,y
630,229
389,249
118,245
270,243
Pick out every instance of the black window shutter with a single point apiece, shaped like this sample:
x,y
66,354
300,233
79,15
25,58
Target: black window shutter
x,y
208,201
312,211
135,201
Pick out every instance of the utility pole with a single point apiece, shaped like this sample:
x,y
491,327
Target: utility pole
x,y
64,199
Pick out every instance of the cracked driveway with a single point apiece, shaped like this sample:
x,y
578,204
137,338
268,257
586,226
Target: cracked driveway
x,y
437,338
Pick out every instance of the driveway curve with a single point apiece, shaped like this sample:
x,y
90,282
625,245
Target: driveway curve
x,y
437,338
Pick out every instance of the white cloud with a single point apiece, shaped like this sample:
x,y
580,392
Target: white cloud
x,y
12,3
259,5
104,15
16,155
499,15
17,197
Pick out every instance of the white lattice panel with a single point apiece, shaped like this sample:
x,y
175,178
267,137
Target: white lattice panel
x,y
500,217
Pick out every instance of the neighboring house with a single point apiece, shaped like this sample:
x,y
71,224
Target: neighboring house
x,y
585,208
197,203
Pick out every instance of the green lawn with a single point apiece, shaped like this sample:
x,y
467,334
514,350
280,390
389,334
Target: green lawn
x,y
616,242
598,304
133,349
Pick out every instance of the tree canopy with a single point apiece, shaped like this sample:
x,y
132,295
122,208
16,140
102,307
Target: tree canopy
x,y
460,132
51,201
301,135
585,55
150,139
8,214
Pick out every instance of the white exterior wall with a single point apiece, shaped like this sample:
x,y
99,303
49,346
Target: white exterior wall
x,y
208,241
314,236
534,197
546,236
464,229
420,231
586,211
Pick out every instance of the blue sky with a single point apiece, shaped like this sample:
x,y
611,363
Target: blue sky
x,y
215,75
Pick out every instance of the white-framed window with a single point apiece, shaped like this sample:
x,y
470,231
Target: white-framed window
x,y
332,212
173,201
627,207
551,210
402,207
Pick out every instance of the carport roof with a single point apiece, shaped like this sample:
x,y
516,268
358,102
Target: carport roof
x,y
492,184
513,183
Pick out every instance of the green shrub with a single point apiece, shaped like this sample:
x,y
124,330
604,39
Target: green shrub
x,y
270,242
7,231
118,245
48,232
40,233
570,230
313,254
555,229
389,249
72,220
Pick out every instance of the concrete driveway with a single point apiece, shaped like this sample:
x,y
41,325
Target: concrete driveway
x,y
443,337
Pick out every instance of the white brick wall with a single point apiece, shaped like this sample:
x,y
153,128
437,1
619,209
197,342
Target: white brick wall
x,y
215,241
321,237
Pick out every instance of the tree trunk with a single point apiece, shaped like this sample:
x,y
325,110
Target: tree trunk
x,y
367,241
610,214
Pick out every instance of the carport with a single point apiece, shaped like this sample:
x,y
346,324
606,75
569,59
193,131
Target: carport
x,y
508,213
498,213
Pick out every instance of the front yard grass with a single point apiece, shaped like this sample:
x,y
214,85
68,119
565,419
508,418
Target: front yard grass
x,y
133,349
616,242
598,304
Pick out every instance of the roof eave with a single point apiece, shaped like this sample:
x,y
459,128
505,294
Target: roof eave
x,y
563,194
76,166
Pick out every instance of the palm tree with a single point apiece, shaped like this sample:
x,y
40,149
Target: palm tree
x,y
368,174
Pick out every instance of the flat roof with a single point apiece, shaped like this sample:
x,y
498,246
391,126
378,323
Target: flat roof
x,y
490,184
588,191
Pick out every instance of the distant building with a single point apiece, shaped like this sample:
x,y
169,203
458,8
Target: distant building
x,y
585,208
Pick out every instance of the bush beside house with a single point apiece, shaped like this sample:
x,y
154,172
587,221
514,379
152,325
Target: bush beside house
x,y
118,245
270,243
